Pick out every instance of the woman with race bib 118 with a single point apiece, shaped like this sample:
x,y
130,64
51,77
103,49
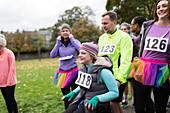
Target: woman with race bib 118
x,y
96,83
151,70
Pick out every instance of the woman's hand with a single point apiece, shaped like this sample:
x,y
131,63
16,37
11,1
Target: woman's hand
x,y
69,96
118,83
92,104
59,37
70,35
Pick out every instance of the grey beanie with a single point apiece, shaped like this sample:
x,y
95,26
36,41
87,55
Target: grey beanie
x,y
2,40
66,26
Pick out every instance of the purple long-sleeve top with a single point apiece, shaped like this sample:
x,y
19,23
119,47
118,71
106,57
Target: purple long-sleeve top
x,y
157,31
68,55
136,46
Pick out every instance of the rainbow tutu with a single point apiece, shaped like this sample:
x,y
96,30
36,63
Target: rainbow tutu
x,y
149,72
65,78
128,72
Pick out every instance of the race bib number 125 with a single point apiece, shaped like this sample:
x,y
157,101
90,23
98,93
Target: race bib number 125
x,y
156,44
84,80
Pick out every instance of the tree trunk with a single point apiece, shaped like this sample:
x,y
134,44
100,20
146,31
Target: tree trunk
x,y
18,56
39,54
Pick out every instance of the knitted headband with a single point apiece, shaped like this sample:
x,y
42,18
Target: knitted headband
x,y
66,26
2,40
90,47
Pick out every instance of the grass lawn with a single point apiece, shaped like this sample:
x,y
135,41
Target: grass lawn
x,y
35,92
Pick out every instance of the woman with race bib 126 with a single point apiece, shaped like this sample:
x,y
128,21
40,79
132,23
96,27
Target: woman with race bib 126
x,y
151,70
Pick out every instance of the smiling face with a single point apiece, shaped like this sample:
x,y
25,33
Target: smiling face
x,y
125,29
85,58
133,26
163,10
108,25
65,33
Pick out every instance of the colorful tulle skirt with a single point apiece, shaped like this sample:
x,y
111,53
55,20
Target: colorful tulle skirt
x,y
65,78
149,72
128,72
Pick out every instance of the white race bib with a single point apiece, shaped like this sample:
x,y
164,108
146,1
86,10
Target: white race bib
x,y
84,80
156,44
66,57
107,49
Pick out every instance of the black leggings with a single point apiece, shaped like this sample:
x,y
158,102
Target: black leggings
x,y
65,91
74,108
8,94
142,94
101,108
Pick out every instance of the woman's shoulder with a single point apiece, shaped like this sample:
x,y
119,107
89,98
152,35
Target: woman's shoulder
x,y
105,70
9,52
106,73
149,22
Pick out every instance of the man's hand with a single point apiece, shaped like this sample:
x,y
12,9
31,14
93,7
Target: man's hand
x,y
118,83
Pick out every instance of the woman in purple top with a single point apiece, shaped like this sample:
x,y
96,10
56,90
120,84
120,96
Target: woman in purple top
x,y
66,48
151,70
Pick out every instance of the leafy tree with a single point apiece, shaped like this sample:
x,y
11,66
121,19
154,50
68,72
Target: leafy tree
x,y
29,43
86,31
128,9
29,36
39,44
75,14
9,39
71,16
18,41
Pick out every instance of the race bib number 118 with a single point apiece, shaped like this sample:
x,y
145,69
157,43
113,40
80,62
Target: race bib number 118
x,y
84,80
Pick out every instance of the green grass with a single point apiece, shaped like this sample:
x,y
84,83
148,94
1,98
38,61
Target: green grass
x,y
35,92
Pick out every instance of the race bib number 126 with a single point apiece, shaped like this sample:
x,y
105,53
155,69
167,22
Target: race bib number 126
x,y
156,44
84,80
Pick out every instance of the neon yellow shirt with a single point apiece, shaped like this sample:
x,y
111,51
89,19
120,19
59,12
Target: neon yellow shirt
x,y
115,45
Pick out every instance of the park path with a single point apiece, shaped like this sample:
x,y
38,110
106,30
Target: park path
x,y
129,108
